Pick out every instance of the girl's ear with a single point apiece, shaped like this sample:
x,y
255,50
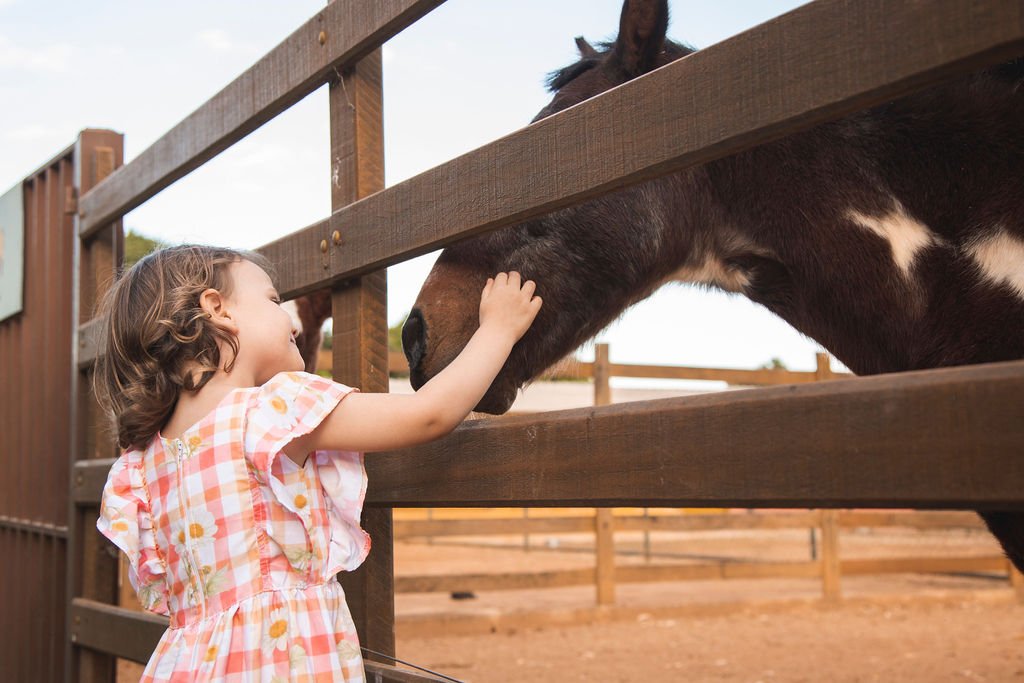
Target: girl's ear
x,y
215,305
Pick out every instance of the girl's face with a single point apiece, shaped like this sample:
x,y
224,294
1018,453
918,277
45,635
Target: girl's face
x,y
266,334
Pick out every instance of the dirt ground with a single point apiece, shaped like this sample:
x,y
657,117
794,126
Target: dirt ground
x,y
956,641
906,627
909,628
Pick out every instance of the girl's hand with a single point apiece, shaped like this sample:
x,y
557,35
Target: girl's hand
x,y
380,422
508,305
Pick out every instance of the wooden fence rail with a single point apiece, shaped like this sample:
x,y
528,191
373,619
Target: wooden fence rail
x,y
574,369
828,566
947,438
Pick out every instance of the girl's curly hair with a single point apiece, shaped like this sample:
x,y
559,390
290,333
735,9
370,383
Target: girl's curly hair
x,y
157,341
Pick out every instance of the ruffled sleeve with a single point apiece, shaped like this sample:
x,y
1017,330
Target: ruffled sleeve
x,y
293,404
290,405
125,519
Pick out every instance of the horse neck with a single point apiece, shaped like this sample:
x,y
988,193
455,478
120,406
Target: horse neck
x,y
827,242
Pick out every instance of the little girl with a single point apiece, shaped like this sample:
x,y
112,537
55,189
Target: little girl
x,y
239,494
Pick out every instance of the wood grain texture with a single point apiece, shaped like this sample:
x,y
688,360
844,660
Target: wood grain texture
x,y
113,630
296,67
92,567
359,345
133,635
947,438
821,61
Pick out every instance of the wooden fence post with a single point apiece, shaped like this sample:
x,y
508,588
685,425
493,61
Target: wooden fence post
x,y
1017,581
823,369
360,345
830,569
830,556
92,567
526,534
604,520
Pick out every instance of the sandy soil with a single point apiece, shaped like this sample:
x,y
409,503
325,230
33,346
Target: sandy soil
x,y
906,627
970,640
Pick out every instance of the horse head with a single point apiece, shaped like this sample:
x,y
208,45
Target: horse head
x,y
575,255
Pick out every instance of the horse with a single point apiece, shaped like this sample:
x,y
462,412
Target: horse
x,y
309,313
894,236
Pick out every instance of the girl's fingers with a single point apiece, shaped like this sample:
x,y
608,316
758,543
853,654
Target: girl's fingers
x,y
529,287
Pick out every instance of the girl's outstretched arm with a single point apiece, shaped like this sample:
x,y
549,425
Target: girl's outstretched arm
x,y
379,422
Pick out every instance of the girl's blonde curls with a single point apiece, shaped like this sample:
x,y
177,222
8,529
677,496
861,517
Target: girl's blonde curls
x,y
157,341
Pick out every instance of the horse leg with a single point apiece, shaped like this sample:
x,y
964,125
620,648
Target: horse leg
x,y
1008,528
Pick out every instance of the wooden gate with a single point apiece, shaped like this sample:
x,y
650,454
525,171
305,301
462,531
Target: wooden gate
x,y
948,438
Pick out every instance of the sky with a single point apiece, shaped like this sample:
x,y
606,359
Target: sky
x,y
468,73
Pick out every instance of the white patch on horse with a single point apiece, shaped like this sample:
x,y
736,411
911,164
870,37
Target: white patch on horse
x,y
713,271
906,236
293,311
1000,257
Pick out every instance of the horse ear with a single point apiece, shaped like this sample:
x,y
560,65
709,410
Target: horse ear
x,y
642,29
587,50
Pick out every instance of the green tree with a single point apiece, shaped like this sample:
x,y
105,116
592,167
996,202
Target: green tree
x,y
774,364
395,335
137,245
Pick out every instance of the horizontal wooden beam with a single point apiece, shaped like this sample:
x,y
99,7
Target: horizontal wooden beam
x,y
490,527
925,565
911,520
704,571
133,635
729,376
87,480
446,583
816,63
89,342
33,526
397,363
716,570
948,438
119,631
760,521
338,36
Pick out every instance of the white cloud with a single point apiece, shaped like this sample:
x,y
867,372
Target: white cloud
x,y
52,58
216,39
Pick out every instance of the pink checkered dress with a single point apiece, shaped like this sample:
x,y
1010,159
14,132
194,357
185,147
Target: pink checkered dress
x,y
239,545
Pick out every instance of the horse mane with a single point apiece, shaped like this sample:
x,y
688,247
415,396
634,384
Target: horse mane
x,y
558,79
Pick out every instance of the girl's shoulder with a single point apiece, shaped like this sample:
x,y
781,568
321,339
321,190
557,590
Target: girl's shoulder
x,y
297,379
302,389
288,405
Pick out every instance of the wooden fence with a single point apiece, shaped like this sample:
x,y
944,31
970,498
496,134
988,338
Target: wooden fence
x,y
948,438
828,565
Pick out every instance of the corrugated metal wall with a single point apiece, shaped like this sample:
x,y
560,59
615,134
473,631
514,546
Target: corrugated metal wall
x,y
35,405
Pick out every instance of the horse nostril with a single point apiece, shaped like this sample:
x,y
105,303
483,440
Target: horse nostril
x,y
414,339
